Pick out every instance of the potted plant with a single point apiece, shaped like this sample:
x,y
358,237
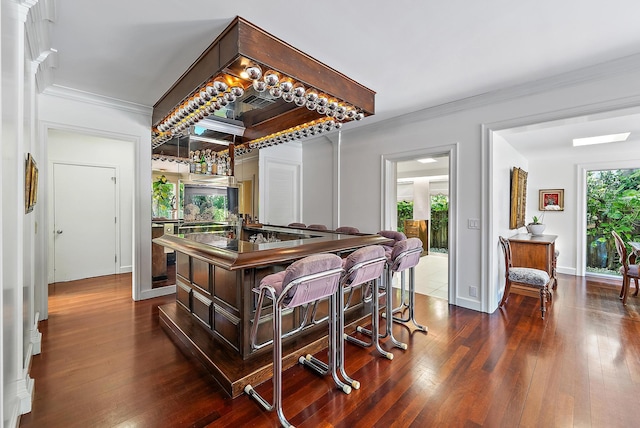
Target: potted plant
x,y
536,227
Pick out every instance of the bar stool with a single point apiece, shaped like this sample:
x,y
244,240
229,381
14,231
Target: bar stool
x,y
360,267
302,283
392,234
298,225
349,230
317,227
405,255
397,237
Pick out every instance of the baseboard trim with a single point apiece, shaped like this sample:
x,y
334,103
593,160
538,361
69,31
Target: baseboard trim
x,y
25,385
126,269
566,270
14,419
157,292
36,336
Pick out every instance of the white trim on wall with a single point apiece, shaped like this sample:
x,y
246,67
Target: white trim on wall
x,y
389,214
489,254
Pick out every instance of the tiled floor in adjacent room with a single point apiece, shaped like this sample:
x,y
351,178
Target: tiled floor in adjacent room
x,y
432,276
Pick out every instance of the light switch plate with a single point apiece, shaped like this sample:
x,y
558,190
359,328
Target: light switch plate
x,y
474,223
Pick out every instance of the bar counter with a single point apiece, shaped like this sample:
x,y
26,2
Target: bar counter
x,y
293,244
215,306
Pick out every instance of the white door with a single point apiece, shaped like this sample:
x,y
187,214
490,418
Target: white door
x,y
84,221
282,192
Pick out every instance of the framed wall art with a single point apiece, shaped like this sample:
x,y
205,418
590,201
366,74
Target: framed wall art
x,y
551,200
518,198
30,184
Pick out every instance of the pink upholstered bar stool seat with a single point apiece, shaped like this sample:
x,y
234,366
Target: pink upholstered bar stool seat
x,y
298,225
349,230
320,227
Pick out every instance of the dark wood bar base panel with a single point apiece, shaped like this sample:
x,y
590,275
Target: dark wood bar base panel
x,y
215,306
228,368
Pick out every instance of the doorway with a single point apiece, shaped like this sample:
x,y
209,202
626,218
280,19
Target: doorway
x,y
405,178
423,196
85,220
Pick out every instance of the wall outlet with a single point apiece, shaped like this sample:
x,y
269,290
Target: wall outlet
x,y
473,291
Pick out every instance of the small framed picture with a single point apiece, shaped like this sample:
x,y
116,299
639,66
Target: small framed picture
x,y
551,200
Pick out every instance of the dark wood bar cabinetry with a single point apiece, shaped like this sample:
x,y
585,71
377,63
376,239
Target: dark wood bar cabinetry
x,y
215,306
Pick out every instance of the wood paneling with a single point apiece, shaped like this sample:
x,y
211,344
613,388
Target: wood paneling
x,y
243,39
106,362
201,275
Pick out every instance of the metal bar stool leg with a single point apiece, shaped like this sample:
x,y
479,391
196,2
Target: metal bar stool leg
x,y
374,333
411,316
320,366
277,370
389,310
340,339
388,287
404,304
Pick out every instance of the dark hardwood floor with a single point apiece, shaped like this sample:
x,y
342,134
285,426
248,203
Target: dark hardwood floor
x,y
105,362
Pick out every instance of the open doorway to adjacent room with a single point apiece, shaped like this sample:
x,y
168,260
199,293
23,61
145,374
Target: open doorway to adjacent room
x,y
422,196
89,205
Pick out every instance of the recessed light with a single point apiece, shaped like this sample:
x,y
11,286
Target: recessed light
x,y
601,139
427,160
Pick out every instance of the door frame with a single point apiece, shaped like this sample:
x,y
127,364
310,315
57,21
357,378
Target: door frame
x,y
51,215
389,211
141,256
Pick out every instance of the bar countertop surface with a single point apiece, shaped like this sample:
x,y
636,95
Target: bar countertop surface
x,y
233,254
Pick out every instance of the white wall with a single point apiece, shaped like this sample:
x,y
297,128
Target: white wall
x,y
77,112
21,270
317,161
505,158
468,123
563,173
78,148
421,199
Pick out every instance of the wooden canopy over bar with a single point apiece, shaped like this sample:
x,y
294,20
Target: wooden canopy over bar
x,y
241,42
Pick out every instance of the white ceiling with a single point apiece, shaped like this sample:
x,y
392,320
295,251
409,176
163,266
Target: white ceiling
x,y
413,54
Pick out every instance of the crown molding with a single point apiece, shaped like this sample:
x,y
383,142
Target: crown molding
x,y
593,73
99,100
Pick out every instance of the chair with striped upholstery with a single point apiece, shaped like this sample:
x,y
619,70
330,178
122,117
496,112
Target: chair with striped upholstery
x,y
529,277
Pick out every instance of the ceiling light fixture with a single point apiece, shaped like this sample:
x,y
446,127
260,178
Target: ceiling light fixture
x,y
227,128
210,140
427,160
601,139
